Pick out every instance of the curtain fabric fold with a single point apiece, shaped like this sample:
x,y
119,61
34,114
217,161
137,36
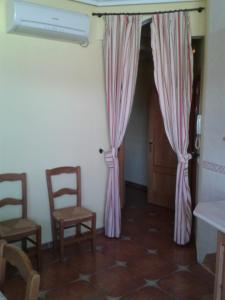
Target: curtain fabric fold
x,y
173,73
121,53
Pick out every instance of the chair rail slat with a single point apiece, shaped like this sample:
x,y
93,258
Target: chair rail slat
x,y
64,191
10,201
12,177
61,170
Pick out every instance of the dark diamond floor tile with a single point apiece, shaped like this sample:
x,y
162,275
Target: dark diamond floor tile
x,y
148,293
207,297
75,291
153,267
154,240
133,228
57,274
117,281
107,243
91,262
196,297
186,285
133,194
200,272
179,255
125,250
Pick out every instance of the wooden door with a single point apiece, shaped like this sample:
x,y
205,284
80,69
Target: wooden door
x,y
161,158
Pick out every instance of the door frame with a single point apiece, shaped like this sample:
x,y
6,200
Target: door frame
x,y
193,167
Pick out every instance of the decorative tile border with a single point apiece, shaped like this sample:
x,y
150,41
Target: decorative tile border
x,y
152,283
84,277
213,167
152,251
183,268
120,263
154,230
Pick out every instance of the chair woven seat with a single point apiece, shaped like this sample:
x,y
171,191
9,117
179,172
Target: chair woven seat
x,y
13,227
72,214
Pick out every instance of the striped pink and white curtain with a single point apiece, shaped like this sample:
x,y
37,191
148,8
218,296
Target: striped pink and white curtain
x,y
121,53
173,73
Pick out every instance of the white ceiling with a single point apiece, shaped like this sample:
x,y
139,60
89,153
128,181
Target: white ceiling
x,y
128,2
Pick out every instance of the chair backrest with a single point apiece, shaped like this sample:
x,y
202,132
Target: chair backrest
x,y
17,258
63,191
15,201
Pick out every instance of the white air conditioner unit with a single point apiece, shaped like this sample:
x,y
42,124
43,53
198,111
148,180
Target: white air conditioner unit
x,y
39,20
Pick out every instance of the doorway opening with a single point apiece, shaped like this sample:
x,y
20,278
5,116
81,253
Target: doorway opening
x,y
147,161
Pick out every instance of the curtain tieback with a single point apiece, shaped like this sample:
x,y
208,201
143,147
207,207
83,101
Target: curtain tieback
x,y
183,159
110,157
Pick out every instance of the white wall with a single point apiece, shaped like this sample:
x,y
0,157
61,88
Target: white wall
x,y
212,165
52,113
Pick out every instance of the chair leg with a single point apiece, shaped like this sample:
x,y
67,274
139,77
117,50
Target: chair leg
x,y
2,264
24,245
78,230
2,272
54,234
78,233
94,232
38,241
61,241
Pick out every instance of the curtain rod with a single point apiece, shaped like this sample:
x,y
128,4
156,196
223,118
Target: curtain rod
x,y
199,9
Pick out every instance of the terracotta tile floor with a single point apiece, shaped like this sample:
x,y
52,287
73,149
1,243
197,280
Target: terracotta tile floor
x,y
144,264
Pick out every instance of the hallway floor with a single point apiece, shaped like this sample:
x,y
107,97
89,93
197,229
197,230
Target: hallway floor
x,y
144,264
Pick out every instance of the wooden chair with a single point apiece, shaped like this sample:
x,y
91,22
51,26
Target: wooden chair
x,y
67,217
17,258
20,229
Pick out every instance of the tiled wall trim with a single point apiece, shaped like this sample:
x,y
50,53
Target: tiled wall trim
x,y
213,167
